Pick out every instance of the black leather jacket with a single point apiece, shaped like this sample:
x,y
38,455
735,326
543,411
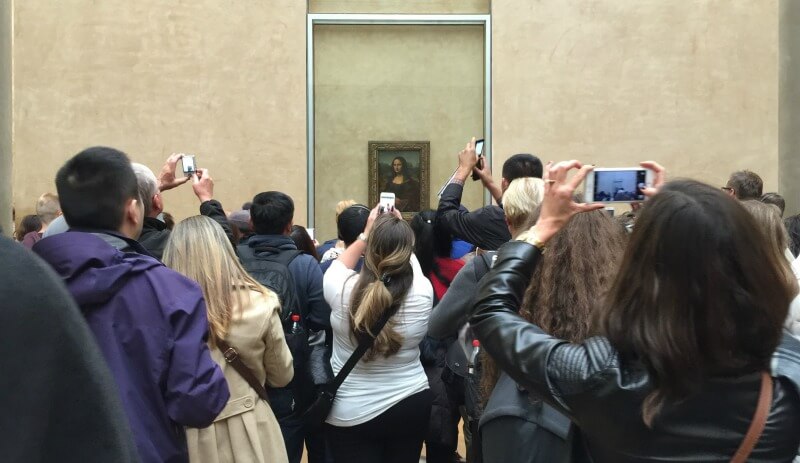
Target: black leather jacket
x,y
603,396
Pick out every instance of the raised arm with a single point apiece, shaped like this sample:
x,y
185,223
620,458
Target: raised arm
x,y
203,186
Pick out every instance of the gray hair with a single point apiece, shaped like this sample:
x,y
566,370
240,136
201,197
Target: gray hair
x,y
48,207
147,185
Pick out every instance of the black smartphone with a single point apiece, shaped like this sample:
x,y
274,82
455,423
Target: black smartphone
x,y
479,152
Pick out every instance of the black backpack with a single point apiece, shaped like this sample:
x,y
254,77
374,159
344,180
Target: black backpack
x,y
271,268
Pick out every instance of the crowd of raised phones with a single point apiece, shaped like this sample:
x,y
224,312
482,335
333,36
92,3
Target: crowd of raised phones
x,y
540,329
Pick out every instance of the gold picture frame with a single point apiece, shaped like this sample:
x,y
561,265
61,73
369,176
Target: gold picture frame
x,y
413,188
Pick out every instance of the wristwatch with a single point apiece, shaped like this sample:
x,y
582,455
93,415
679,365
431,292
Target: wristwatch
x,y
531,237
362,237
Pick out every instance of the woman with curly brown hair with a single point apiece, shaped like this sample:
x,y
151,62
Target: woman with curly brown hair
x,y
572,277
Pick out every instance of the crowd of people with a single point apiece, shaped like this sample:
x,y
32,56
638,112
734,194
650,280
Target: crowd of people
x,y
549,330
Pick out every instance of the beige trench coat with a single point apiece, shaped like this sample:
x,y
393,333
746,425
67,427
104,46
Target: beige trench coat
x,y
246,430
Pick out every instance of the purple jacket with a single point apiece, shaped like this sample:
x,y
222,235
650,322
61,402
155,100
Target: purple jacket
x,y
150,323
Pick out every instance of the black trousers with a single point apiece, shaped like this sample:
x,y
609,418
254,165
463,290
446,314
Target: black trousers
x,y
394,436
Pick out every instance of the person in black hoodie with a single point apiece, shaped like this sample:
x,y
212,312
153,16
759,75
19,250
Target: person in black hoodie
x,y
58,398
154,231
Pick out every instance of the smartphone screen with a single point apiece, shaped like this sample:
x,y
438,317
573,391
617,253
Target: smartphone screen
x,y
479,147
623,185
188,164
387,200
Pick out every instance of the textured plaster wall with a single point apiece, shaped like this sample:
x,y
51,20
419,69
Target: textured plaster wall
x,y
399,6
392,83
224,80
693,84
5,117
789,104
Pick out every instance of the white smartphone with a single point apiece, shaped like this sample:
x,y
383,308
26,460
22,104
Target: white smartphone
x,y
617,185
387,200
189,167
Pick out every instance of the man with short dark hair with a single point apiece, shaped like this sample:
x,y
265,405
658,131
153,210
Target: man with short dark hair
x,y
349,224
485,227
744,185
271,216
149,321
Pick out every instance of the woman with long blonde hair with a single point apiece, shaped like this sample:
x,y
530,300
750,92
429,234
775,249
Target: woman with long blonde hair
x,y
246,316
381,410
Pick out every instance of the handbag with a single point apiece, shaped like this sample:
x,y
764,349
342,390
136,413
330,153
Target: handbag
x,y
232,357
318,412
758,422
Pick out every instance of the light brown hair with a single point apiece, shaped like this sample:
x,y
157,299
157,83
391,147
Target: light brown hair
x,y
383,284
570,282
199,249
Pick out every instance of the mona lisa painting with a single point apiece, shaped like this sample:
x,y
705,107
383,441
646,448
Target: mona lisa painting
x,y
400,168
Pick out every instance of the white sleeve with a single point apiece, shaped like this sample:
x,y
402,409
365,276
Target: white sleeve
x,y
333,283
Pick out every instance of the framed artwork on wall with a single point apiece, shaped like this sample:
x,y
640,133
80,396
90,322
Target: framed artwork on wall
x,y
402,168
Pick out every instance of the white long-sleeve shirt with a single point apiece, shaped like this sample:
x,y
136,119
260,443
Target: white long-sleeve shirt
x,y
375,386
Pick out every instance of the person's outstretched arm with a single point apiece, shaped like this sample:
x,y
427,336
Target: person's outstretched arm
x,y
203,186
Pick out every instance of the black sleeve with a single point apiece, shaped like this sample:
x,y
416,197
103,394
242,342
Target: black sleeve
x,y
482,227
59,400
213,209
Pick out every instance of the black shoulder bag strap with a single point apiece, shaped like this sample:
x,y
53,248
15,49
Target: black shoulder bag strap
x,y
233,359
357,354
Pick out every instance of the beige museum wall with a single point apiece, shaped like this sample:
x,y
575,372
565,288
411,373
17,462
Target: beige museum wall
x,y
392,83
223,80
693,84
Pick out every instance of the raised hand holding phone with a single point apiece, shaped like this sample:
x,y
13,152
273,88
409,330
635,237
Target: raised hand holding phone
x,y
558,205
479,164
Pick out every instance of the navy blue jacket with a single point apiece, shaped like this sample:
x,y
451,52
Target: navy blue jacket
x,y
307,277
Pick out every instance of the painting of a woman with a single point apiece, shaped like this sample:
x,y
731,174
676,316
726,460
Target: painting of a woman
x,y
400,167
403,185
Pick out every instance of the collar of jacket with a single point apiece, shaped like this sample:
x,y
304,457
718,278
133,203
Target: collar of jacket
x,y
153,223
113,238
282,242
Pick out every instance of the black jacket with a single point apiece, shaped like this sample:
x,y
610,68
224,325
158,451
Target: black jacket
x,y
58,398
485,227
589,383
155,233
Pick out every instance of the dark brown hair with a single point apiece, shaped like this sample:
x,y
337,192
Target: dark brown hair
x,y
383,284
696,296
570,281
303,241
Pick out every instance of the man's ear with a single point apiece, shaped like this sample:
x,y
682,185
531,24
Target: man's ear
x,y
288,230
503,184
158,204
